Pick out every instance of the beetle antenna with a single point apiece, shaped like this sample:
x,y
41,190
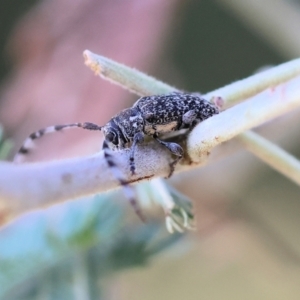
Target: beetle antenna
x,y
29,143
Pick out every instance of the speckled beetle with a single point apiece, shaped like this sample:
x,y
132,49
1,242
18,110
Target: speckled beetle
x,y
150,115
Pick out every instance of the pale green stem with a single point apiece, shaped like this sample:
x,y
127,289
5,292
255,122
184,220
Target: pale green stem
x,y
243,89
80,278
32,185
271,154
164,196
233,93
244,116
129,78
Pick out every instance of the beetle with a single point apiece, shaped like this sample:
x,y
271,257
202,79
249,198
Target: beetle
x,y
153,116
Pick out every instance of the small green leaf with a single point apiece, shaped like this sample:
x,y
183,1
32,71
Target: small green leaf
x,y
5,145
129,78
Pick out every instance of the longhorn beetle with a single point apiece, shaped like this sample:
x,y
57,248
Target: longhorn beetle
x,y
150,115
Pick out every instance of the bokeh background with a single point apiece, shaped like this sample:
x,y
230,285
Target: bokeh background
x,y
247,245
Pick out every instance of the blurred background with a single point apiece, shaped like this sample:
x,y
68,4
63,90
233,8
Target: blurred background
x,y
247,243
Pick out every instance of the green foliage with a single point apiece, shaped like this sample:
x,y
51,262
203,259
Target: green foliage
x,y
5,145
67,250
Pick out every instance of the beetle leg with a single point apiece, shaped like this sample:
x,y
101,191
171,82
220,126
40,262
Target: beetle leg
x,y
128,190
175,149
189,119
138,138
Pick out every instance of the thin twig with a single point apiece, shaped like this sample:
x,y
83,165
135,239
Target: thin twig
x,y
280,160
129,78
234,93
249,114
32,185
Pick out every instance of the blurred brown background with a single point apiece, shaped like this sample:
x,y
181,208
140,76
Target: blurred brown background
x,y
248,244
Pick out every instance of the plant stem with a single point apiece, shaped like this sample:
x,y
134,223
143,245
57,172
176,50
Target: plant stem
x,y
271,154
34,185
129,78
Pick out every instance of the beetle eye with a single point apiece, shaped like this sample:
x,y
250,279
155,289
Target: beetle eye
x,y
150,118
111,137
